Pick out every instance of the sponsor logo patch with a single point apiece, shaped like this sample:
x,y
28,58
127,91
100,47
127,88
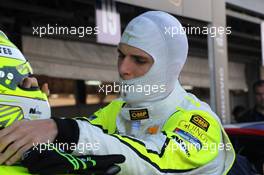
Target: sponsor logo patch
x,y
182,145
34,110
190,138
139,114
200,122
10,52
5,51
194,130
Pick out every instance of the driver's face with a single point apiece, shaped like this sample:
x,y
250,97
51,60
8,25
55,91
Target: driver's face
x,y
132,62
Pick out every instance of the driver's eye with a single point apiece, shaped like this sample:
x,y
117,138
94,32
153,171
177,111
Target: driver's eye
x,y
139,60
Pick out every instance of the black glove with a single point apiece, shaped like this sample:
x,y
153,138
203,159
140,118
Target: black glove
x,y
54,161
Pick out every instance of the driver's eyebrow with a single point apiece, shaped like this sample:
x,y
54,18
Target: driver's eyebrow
x,y
137,56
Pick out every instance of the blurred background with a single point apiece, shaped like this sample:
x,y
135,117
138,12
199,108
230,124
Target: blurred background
x,y
220,69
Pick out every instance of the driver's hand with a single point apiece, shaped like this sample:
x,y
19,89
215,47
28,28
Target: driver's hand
x,y
32,82
47,159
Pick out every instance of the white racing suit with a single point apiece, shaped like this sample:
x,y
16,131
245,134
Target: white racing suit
x,y
178,135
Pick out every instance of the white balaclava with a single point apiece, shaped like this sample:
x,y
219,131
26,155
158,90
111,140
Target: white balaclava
x,y
161,36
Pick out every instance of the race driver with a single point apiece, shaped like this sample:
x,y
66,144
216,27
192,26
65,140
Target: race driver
x,y
165,131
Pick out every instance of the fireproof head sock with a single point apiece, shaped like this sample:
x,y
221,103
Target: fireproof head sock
x,y
162,36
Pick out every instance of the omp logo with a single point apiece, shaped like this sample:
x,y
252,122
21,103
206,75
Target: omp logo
x,y
34,111
139,114
200,122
